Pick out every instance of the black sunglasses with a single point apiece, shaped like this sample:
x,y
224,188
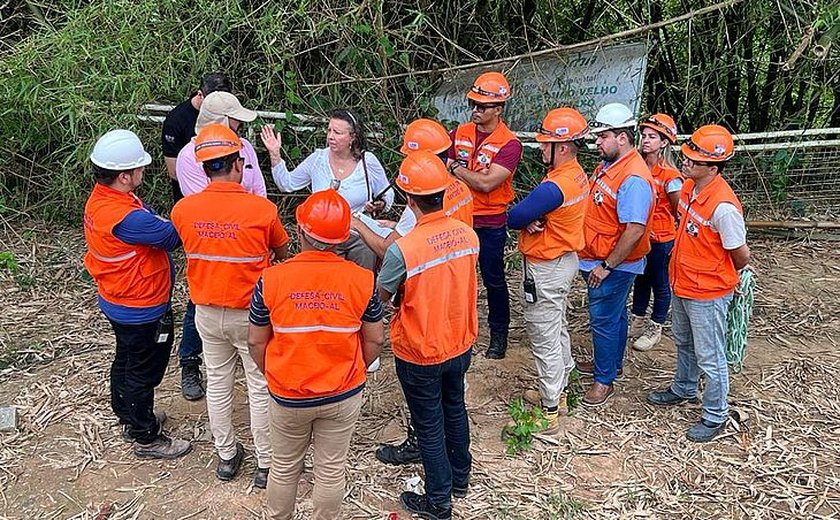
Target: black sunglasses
x,y
481,107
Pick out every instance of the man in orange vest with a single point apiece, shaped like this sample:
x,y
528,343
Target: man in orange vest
x,y
316,323
709,251
659,133
128,258
229,236
616,230
432,272
485,154
551,222
429,135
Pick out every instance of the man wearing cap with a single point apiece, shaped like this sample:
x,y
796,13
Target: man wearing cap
x,y
228,236
316,323
616,234
709,251
551,222
128,258
434,262
217,108
485,154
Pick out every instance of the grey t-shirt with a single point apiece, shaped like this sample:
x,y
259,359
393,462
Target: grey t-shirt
x,y
393,271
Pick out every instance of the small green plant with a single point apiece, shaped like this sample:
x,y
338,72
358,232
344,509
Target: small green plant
x,y
526,421
561,506
574,392
8,262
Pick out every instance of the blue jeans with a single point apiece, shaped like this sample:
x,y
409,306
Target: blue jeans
x,y
699,328
655,278
608,323
435,397
491,260
189,351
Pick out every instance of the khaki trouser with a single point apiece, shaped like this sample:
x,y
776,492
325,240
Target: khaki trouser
x,y
545,321
329,428
224,333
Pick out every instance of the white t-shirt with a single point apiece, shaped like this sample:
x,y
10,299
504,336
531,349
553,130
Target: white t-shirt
x,y
406,223
729,223
315,171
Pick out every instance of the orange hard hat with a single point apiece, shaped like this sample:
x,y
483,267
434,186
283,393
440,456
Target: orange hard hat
x,y
325,216
562,125
490,87
423,173
214,141
710,143
425,134
662,123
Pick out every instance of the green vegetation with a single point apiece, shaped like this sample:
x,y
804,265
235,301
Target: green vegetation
x,y
526,421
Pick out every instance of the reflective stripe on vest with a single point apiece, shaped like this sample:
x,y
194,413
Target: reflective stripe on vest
x,y
220,258
114,259
482,156
440,260
316,328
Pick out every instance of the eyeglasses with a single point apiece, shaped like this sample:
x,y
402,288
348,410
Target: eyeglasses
x,y
481,107
692,162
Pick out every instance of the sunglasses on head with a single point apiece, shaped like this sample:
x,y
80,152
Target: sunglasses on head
x,y
481,107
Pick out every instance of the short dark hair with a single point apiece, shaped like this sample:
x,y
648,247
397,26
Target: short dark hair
x,y
720,165
631,133
220,166
429,203
359,144
105,176
215,82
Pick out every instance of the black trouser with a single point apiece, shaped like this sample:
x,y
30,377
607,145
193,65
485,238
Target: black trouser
x,y
139,364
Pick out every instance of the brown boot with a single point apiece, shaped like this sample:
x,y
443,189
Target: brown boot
x,y
597,394
532,397
587,369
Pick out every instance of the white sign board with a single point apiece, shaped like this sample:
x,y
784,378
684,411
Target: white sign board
x,y
585,80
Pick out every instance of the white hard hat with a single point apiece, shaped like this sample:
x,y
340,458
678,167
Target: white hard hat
x,y
613,116
120,150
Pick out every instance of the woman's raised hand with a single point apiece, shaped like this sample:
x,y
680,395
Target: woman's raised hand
x,y
271,140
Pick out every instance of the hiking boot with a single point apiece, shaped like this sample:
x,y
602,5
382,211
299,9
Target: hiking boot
x,y
498,346
533,398
261,478
649,338
420,506
227,469
637,326
160,415
552,427
597,394
704,431
408,452
668,398
587,368
163,447
191,387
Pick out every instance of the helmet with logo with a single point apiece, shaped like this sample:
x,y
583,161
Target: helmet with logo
x,y
613,116
662,123
490,87
562,125
119,150
710,143
325,216
425,134
215,141
423,173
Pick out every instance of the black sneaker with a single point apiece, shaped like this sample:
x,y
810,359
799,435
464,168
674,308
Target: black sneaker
x,y
227,469
420,506
399,454
261,478
704,431
191,387
668,398
498,346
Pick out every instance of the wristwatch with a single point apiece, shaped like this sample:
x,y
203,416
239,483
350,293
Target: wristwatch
x,y
452,166
606,266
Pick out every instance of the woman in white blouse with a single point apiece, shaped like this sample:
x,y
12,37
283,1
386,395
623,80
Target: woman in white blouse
x,y
344,165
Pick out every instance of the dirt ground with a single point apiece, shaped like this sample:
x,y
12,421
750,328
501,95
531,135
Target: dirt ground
x,y
625,460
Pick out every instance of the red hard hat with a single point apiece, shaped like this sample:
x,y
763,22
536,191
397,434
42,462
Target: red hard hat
x,y
562,125
710,143
214,141
423,173
425,134
662,123
325,216
490,87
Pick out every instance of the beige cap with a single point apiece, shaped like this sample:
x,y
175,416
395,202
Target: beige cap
x,y
218,107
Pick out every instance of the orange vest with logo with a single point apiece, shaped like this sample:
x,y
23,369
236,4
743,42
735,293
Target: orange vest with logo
x,y
700,268
478,158
128,275
227,233
601,226
458,202
437,319
662,226
316,302
563,229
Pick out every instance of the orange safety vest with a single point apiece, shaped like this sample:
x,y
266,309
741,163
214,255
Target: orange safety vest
x,y
601,226
227,233
128,275
458,202
477,159
437,319
700,268
316,302
663,225
563,229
